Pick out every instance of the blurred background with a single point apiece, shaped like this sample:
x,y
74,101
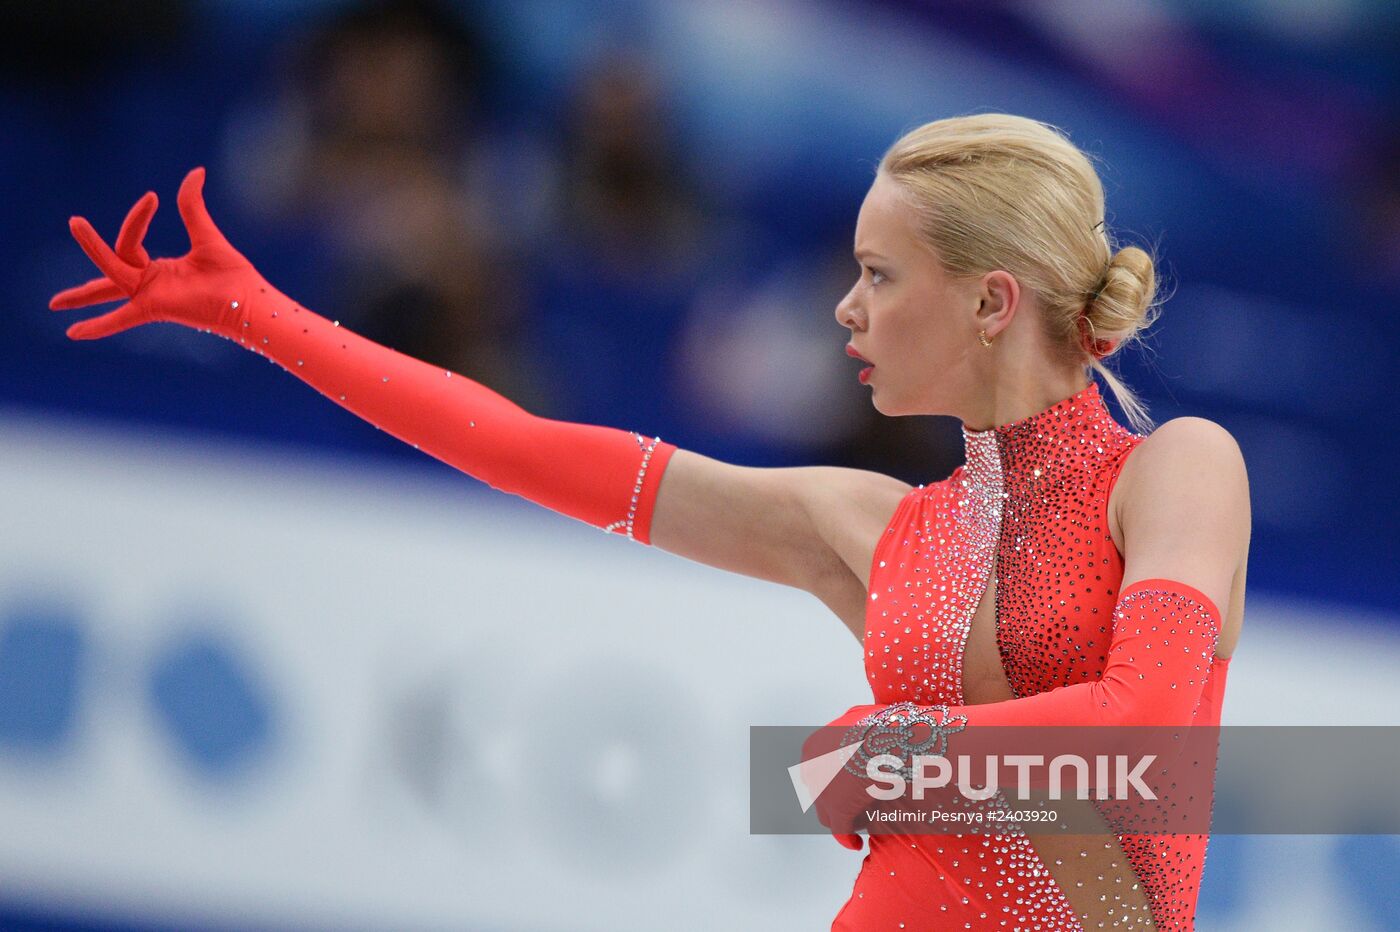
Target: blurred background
x,y
260,663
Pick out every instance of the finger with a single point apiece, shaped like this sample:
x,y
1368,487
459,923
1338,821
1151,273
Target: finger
x,y
192,210
133,231
126,277
95,328
94,292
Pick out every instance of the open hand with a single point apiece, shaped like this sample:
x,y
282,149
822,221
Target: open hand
x,y
206,288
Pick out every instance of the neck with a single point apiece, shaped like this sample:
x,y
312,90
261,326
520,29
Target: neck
x,y
1045,448
1016,398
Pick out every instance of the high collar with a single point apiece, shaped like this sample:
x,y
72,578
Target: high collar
x,y
1043,448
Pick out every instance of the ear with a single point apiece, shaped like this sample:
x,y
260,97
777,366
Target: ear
x,y
999,297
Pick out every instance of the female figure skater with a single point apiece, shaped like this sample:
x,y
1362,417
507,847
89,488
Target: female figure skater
x,y
1072,572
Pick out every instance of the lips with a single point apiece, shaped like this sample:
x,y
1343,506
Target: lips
x,y
864,373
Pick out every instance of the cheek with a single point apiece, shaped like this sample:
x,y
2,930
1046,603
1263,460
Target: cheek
x,y
922,350
912,332
902,318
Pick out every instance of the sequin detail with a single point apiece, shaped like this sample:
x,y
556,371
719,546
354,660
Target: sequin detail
x,y
624,526
1028,509
896,730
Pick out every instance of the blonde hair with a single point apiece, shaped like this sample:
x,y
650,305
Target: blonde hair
x,y
995,191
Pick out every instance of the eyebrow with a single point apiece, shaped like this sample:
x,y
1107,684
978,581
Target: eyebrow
x,y
859,253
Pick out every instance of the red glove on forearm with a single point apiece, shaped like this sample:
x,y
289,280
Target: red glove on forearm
x,y
601,475
1164,638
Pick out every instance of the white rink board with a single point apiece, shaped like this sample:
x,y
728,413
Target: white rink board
x,y
411,635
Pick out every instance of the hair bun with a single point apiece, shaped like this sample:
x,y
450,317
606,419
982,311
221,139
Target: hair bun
x,y
1122,302
1129,286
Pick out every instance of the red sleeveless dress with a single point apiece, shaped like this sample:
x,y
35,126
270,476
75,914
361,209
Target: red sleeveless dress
x,y
1030,504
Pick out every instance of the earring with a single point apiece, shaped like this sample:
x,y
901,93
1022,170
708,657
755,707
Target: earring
x,y
982,336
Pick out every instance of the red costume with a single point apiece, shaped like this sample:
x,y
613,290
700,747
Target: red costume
x,y
1030,507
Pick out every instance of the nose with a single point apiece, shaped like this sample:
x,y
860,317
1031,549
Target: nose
x,y
846,313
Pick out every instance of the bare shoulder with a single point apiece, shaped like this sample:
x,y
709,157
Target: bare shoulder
x,y
1184,514
850,509
1185,451
1193,434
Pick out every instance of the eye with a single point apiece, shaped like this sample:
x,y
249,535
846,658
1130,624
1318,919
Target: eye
x,y
876,276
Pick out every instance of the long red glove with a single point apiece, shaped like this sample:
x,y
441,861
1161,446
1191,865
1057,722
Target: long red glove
x,y
1161,650
601,475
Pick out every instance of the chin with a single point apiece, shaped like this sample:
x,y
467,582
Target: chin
x,y
883,404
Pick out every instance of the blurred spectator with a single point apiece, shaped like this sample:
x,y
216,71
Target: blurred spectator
x,y
630,242
376,136
1375,197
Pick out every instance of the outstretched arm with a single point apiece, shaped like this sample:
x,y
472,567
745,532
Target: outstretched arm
x,y
810,528
601,475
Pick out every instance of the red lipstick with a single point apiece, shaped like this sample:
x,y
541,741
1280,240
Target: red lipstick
x,y
864,373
